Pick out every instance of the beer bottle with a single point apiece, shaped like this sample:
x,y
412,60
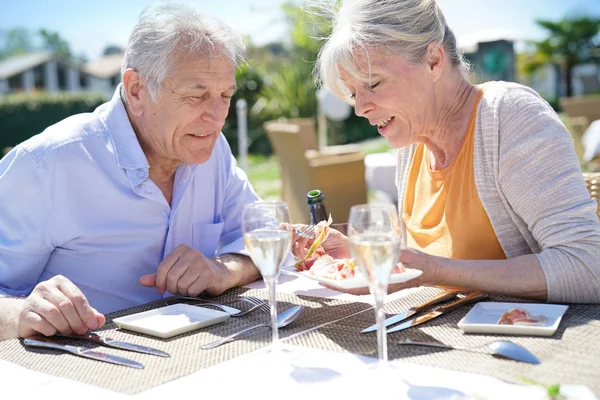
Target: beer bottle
x,y
316,206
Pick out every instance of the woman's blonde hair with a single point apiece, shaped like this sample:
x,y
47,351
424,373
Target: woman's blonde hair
x,y
403,27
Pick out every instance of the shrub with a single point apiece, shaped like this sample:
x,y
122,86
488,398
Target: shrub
x,y
25,115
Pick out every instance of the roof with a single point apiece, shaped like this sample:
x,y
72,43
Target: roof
x,y
105,66
17,64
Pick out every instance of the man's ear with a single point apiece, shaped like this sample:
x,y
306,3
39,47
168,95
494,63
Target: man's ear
x,y
134,91
436,59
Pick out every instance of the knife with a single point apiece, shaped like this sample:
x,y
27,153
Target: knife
x,y
440,298
93,337
44,342
475,296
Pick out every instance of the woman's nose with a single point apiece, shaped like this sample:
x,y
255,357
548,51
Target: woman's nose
x,y
362,105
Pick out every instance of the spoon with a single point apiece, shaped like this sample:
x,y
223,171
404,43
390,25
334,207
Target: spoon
x,y
500,348
283,319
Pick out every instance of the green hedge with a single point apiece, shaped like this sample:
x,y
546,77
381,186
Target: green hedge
x,y
25,115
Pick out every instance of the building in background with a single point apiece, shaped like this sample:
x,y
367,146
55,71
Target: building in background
x,y
45,71
493,57
104,73
38,71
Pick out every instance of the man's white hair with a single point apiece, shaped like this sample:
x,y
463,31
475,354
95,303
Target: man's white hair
x,y
403,27
166,27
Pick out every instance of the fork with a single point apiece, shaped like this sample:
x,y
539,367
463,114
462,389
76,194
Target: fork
x,y
308,232
261,304
234,312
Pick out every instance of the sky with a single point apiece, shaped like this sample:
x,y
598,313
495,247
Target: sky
x,y
90,25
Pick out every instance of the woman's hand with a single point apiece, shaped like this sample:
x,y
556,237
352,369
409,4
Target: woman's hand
x,y
336,245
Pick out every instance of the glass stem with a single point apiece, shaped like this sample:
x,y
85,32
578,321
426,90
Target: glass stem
x,y
379,293
271,286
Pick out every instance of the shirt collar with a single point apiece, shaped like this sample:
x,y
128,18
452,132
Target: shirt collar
x,y
128,151
127,147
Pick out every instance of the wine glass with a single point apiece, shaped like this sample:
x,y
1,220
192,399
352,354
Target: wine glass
x,y
375,241
268,237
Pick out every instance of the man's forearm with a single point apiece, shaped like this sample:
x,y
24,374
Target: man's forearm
x,y
9,317
241,269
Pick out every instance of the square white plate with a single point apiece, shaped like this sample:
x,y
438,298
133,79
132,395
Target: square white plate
x,y
172,320
359,281
484,316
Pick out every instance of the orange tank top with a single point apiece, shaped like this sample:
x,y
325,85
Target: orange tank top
x,y
442,209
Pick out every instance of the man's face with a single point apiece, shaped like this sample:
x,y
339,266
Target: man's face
x,y
184,123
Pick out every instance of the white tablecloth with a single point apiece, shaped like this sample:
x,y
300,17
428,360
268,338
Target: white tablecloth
x,y
302,374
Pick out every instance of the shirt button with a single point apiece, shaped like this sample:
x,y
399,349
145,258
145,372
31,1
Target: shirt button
x,y
141,174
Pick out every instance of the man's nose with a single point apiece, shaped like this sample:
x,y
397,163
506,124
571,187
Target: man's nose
x,y
216,110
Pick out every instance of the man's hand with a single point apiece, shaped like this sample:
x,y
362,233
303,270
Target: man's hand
x,y
57,306
187,271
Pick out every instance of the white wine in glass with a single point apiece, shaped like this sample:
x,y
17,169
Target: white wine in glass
x,y
268,238
375,242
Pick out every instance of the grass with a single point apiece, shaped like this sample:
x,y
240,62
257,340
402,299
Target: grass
x,y
265,174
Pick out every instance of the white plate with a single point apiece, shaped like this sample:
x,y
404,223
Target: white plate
x,y
360,281
172,320
484,316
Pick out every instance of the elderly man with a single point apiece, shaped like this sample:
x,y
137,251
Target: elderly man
x,y
136,200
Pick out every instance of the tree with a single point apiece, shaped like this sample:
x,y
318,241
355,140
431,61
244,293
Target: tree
x,y
15,42
570,42
289,89
53,42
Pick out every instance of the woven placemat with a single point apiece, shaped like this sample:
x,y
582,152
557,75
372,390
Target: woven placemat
x,y
186,355
568,357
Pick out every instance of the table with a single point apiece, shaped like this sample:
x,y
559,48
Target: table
x,y
331,356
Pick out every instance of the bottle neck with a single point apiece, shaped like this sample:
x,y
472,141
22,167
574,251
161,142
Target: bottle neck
x,y
317,212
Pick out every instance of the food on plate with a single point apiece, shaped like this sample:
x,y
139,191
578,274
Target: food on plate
x,y
319,264
330,268
520,316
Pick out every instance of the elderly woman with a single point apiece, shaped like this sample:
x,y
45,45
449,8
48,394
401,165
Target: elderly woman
x,y
490,189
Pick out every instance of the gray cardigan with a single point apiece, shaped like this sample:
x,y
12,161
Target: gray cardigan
x,y
530,183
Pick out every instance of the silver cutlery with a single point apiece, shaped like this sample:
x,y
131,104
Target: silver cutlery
x,y
475,296
308,232
440,298
501,348
117,344
257,304
263,305
205,303
44,342
283,319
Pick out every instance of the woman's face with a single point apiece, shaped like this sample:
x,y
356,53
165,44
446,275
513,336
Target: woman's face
x,y
397,99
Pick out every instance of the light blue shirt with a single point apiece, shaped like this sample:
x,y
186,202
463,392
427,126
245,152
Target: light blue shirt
x,y
76,201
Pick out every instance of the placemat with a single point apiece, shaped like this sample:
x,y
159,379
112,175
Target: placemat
x,y
186,355
568,357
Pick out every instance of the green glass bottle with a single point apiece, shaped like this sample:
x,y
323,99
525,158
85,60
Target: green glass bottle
x,y
316,206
